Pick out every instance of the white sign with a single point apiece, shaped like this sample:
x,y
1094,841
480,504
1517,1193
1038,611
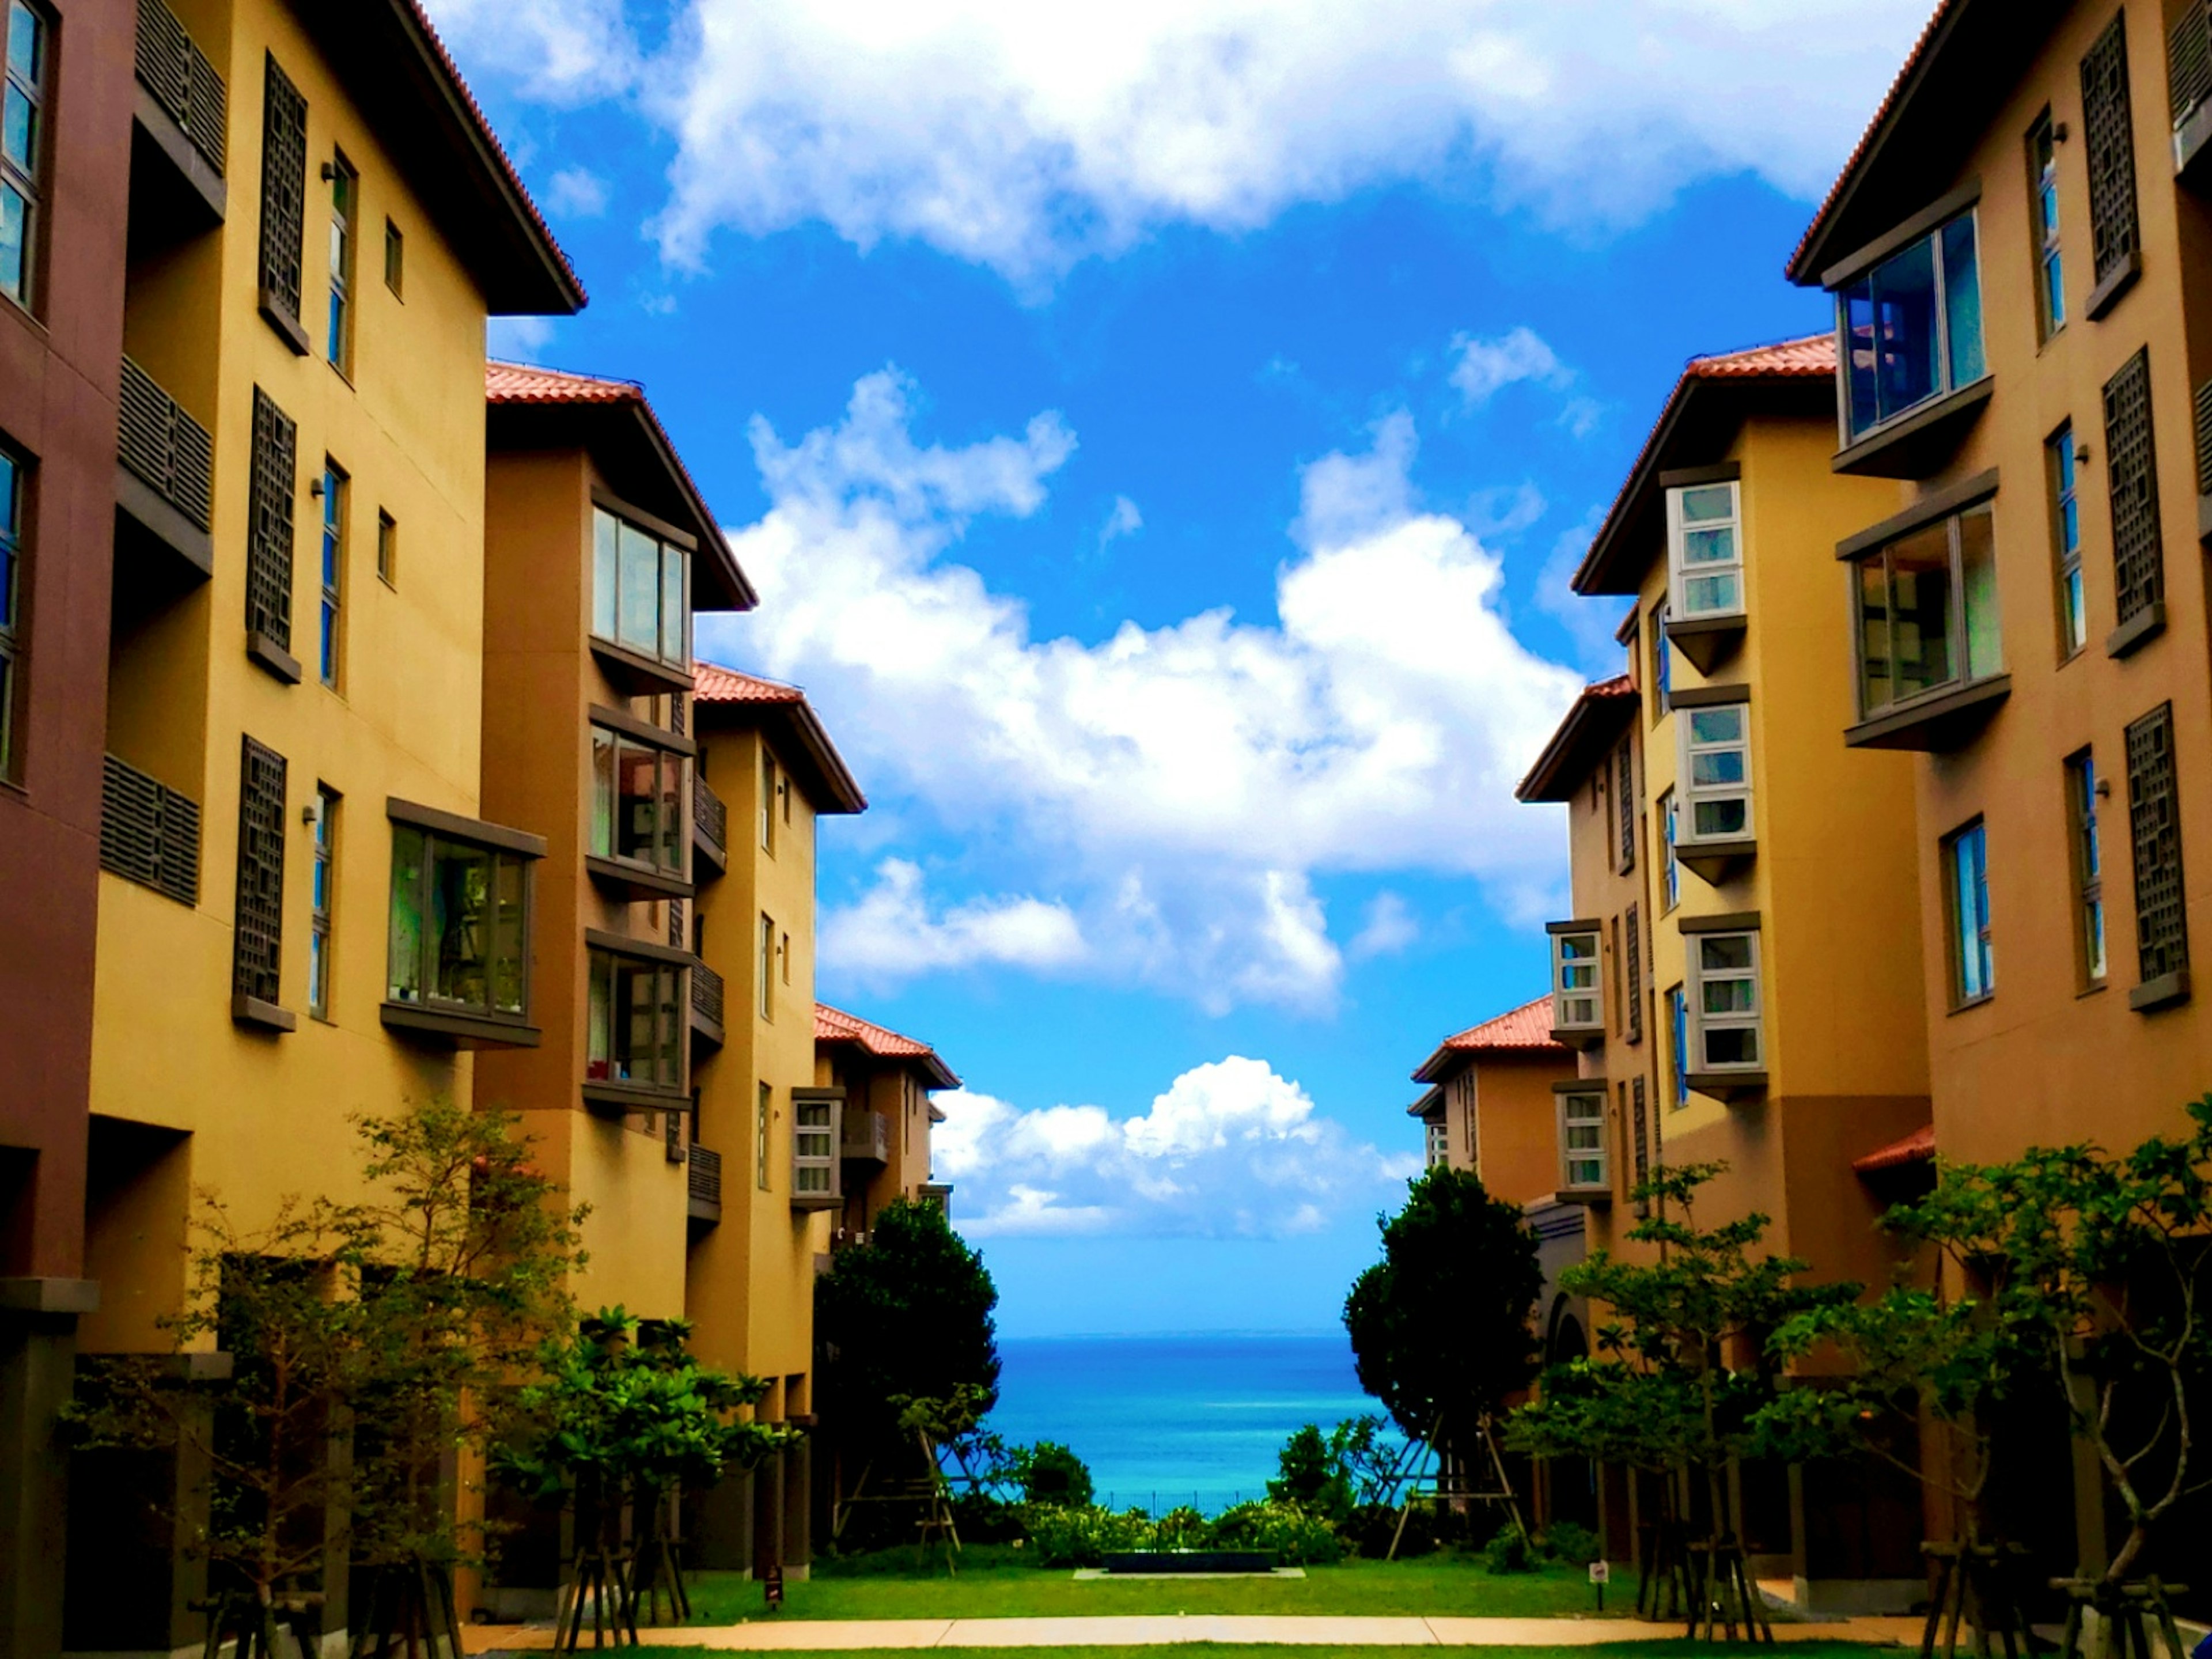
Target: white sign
x,y
1601,1572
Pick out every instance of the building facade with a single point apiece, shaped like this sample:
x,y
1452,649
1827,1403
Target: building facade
x,y
884,1082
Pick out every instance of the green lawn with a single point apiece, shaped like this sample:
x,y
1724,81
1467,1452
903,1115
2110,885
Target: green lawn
x,y
997,1582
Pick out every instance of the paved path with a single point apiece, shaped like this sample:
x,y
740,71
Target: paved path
x,y
1150,1629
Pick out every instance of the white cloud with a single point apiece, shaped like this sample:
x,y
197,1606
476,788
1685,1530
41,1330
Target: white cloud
x,y
1483,369
890,934
1123,520
577,193
1025,136
1177,789
1390,928
1230,1149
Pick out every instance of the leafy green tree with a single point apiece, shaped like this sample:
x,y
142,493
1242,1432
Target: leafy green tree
x,y
906,1315
1440,1327
1052,1474
1311,1474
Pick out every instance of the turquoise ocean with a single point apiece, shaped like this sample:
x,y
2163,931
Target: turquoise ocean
x,y
1166,1420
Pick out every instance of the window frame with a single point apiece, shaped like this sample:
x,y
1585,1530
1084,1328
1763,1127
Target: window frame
x,y
1947,380
1702,1022
1958,623
1690,792
1563,960
1678,1028
395,260
817,1120
28,184
344,180
763,1136
387,550
670,545
1669,810
1663,660
14,535
1598,1153
417,1005
337,492
1436,1142
1968,984
672,1052
765,967
1680,576
322,901
668,749
2092,943
2061,468
769,772
2044,226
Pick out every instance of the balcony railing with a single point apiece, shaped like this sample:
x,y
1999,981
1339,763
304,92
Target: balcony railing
x,y
865,1136
703,1173
710,818
165,448
706,994
2204,459
149,833
173,68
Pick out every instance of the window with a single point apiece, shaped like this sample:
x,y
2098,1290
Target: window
x,y
283,202
1912,327
783,957
813,1151
2066,537
395,259
635,1035
763,1113
1575,1002
637,803
639,590
1623,783
767,968
1716,773
1725,1030
319,938
1671,885
13,513
768,803
2108,128
1704,548
459,935
2154,823
334,541
1967,878
257,936
1631,976
1663,660
1678,1026
268,526
2131,471
345,193
1582,1159
1436,1150
387,549
2042,191
22,119
2089,867
1927,607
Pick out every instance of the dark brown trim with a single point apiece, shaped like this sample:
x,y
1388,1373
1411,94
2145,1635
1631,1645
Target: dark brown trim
x,y
1935,505
1593,1198
267,1016
1581,1085
643,519
1934,724
191,168
639,881
1942,208
636,671
1726,1086
1707,696
819,1092
1730,922
474,830
266,654
1715,862
618,720
287,326
1574,926
624,946
2139,630
142,504
631,1098
1688,478
1581,1038
2106,295
2166,991
1683,628
465,1031
1913,445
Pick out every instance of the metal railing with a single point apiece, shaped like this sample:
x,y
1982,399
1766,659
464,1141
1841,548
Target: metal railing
x,y
708,816
148,833
706,994
866,1135
165,447
2205,439
703,1171
184,82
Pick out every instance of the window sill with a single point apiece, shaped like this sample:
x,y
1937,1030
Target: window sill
x,y
1934,725
1971,1003
457,1029
288,326
2106,295
634,672
2095,988
1707,642
2166,991
273,658
2139,630
1728,1087
1916,445
262,1016
639,882
1595,1198
616,1098
1578,1037
1716,861
809,1201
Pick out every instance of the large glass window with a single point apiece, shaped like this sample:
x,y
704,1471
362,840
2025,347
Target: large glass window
x,y
637,802
1584,1165
2043,186
1716,773
2088,866
324,900
334,498
1927,608
345,193
635,1035
459,925
1966,865
641,589
1725,979
2066,540
1577,1004
12,527
1912,326
22,121
1705,544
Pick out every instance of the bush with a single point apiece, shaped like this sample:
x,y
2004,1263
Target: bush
x,y
1051,1474
1182,1529
1082,1537
1371,1528
1298,1538
1508,1551
983,1519
1571,1542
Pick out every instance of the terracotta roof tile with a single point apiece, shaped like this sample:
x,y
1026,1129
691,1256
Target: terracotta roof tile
x,y
835,1025
712,682
1918,1147
783,711
1592,719
1523,1030
525,383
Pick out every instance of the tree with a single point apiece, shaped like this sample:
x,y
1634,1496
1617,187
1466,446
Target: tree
x,y
1440,1327
906,1315
1311,1472
1052,1474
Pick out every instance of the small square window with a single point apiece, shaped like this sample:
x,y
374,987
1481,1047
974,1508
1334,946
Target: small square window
x,y
395,259
387,549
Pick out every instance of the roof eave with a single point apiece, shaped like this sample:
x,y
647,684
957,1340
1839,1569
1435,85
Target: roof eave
x,y
1582,739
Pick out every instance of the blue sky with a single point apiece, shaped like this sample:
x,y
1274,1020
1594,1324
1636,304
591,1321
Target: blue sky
x,y
1160,433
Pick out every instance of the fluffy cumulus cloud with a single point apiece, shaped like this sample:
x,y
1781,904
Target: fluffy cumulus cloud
x,y
1173,793
1230,1149
1024,136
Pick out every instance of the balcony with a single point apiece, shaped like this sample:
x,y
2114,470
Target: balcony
x,y
149,833
2205,462
164,484
177,130
866,1138
710,824
703,1176
707,994
2189,93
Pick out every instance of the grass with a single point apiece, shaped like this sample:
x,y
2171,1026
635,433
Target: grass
x,y
997,1582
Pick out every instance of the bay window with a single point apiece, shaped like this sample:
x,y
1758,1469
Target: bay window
x,y
1726,1041
1585,1163
641,589
815,1129
1704,550
1925,605
1911,327
638,818
459,957
634,1035
1577,1005
1716,775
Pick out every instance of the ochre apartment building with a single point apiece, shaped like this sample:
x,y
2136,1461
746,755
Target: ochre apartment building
x,y
883,1081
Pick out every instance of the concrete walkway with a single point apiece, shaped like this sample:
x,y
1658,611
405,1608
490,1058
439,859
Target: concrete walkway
x,y
1152,1629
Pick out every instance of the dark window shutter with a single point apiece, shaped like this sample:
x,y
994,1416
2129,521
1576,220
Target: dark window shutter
x,y
1641,1147
284,192
269,523
257,964
2131,466
1635,974
148,833
1623,789
2110,130
677,938
2154,820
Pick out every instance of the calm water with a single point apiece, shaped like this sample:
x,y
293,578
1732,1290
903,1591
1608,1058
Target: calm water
x,y
1175,1419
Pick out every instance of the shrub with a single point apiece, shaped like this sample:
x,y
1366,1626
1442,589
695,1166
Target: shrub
x,y
1508,1551
1051,1474
1298,1538
1182,1529
1571,1542
1311,1475
1372,1526
1082,1537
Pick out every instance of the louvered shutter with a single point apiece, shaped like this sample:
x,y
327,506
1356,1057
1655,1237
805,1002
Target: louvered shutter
x,y
2155,820
269,523
2108,126
284,192
257,958
2138,562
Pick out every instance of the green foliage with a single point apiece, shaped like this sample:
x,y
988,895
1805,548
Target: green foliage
x,y
1311,1474
1440,1327
1298,1538
1510,1549
1050,1474
1184,1528
907,1315
1084,1537
1372,1527
1571,1542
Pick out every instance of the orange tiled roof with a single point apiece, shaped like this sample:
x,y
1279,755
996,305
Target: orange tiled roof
x,y
712,682
1918,1147
1813,353
1523,1030
1589,727
803,741
526,382
835,1025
